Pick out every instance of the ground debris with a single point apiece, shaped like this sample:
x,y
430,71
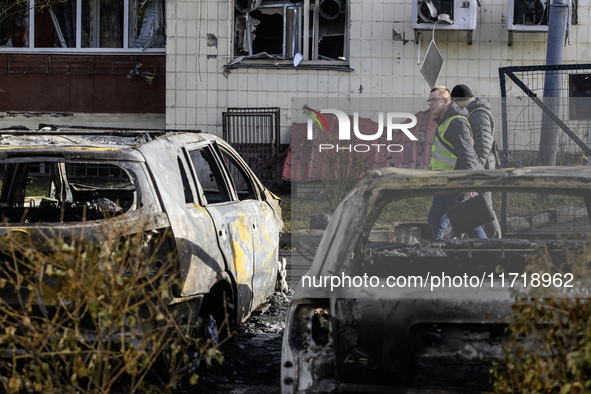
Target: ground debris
x,y
252,358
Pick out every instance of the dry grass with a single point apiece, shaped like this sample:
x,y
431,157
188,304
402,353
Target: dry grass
x,y
89,316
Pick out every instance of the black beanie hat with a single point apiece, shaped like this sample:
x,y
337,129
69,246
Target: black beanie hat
x,y
461,93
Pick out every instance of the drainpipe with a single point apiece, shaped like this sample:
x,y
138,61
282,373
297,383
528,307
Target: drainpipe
x,y
557,29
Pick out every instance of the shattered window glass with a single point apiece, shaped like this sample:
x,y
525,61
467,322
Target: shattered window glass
x,y
102,24
274,30
14,27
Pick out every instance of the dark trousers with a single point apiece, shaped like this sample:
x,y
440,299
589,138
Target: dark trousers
x,y
438,219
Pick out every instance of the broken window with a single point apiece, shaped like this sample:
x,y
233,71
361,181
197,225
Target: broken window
x,y
83,24
307,30
209,176
579,96
245,189
39,191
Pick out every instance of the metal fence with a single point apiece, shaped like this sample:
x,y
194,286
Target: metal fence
x,y
254,133
527,113
529,121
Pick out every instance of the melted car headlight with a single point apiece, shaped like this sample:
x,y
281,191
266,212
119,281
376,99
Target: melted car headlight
x,y
312,326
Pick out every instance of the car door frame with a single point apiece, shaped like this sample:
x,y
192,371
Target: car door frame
x,y
264,226
233,227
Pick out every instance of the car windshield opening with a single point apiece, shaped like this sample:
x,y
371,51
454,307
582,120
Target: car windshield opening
x,y
403,240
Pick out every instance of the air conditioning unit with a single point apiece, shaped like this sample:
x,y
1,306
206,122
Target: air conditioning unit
x,y
463,14
528,15
531,16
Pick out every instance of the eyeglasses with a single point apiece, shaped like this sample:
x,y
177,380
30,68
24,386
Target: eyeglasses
x,y
432,100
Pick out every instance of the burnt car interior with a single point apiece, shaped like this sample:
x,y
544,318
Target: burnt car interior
x,y
530,221
36,190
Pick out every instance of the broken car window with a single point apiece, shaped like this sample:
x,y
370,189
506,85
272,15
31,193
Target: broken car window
x,y
186,185
54,192
401,240
242,183
209,176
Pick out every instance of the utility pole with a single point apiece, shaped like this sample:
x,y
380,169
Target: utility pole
x,y
557,29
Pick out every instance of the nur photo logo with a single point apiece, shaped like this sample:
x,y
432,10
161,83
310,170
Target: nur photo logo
x,y
393,121
316,116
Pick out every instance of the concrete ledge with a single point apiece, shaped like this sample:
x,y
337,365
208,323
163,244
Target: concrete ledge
x,y
540,220
517,223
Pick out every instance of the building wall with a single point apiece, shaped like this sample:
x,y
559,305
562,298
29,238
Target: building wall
x,y
383,56
82,83
82,90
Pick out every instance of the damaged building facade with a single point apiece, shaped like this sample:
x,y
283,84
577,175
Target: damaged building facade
x,y
268,53
181,64
83,62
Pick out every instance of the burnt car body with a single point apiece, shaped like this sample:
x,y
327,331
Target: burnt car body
x,y
221,222
360,333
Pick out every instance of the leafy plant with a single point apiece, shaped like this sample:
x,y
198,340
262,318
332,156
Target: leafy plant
x,y
77,315
549,343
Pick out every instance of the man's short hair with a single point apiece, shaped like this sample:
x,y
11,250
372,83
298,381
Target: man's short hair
x,y
443,91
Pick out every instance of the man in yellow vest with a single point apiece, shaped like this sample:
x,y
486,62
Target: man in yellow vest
x,y
452,149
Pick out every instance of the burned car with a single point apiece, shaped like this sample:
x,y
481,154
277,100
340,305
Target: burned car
x,y
385,307
191,187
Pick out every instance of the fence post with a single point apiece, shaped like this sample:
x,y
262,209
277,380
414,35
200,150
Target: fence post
x,y
557,25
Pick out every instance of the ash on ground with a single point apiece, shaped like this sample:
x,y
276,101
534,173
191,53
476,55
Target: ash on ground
x,y
252,357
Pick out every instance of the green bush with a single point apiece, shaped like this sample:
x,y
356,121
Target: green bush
x,y
549,339
92,316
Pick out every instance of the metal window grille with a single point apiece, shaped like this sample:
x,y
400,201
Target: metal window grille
x,y
254,133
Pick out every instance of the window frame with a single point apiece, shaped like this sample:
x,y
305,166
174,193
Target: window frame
x,y
310,55
188,186
219,169
253,189
78,49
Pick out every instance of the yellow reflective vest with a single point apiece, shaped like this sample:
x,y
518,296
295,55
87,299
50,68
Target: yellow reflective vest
x,y
442,151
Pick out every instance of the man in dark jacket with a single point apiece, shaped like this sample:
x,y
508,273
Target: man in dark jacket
x,y
481,121
451,150
483,129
